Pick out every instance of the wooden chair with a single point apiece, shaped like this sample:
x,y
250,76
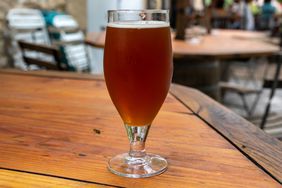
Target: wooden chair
x,y
209,17
272,83
248,86
39,48
243,93
271,80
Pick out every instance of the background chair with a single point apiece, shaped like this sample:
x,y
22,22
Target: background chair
x,y
272,83
240,77
28,25
52,63
68,37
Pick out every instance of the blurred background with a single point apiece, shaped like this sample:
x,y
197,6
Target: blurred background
x,y
228,49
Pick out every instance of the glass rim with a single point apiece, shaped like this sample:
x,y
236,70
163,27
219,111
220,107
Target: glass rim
x,y
161,11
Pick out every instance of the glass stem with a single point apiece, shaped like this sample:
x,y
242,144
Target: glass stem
x,y
137,137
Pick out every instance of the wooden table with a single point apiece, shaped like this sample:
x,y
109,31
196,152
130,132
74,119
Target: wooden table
x,y
59,130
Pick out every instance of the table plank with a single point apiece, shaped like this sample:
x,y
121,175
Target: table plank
x,y
15,179
260,147
48,125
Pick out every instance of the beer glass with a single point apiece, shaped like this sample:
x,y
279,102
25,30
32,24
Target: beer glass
x,y
138,71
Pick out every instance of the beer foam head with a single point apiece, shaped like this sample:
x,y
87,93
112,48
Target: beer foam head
x,y
139,24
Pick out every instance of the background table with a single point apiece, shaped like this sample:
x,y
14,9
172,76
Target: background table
x,y
199,65
59,129
220,44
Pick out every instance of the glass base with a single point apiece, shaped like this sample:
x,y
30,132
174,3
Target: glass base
x,y
137,167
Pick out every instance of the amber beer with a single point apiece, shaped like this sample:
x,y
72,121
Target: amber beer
x,y
138,68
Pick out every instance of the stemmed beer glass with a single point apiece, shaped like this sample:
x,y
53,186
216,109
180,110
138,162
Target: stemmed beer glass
x,y
138,71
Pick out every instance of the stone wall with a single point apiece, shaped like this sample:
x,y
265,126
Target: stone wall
x,y
5,5
76,8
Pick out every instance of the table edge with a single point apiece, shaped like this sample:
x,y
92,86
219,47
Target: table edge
x,y
54,74
219,119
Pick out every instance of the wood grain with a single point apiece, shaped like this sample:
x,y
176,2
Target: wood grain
x,y
260,147
49,126
14,179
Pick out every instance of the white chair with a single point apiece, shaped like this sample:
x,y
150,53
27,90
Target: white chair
x,y
72,40
61,21
27,25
